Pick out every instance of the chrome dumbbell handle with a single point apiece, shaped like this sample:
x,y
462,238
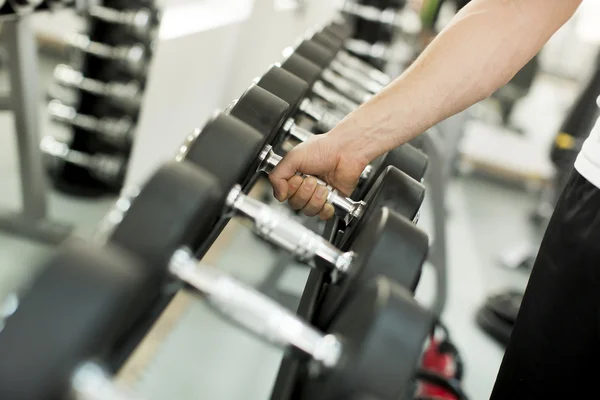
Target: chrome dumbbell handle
x,y
364,67
113,130
133,57
138,21
254,311
91,382
286,233
349,208
355,93
333,97
356,77
376,50
129,93
104,167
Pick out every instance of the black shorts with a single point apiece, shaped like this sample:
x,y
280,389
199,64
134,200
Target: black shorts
x,y
554,350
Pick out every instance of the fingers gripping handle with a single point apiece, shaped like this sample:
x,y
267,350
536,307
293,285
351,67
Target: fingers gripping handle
x,y
351,209
290,235
254,311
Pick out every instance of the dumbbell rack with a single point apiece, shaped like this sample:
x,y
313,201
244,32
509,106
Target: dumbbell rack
x,y
71,178
32,221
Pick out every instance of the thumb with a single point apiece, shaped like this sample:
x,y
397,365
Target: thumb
x,y
280,175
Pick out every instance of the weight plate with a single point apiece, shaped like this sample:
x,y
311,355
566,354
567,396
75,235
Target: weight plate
x,y
285,85
382,331
303,68
177,207
388,245
72,312
229,149
263,111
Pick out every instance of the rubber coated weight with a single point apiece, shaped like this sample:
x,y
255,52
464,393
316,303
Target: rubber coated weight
x,y
388,245
326,40
267,113
229,149
263,111
303,68
382,330
318,54
70,314
176,206
285,85
393,189
406,158
341,31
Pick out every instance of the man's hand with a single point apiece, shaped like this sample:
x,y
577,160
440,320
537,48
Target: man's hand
x,y
325,157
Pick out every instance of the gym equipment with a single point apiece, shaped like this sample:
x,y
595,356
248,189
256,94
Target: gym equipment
x,y
122,94
108,169
119,132
133,58
138,22
347,58
311,74
54,5
332,70
271,116
253,154
345,358
355,74
407,158
66,319
498,315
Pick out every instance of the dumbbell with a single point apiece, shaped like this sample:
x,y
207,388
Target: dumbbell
x,y
271,116
118,132
122,94
137,21
106,168
224,134
287,87
133,58
355,75
332,70
341,360
403,18
52,341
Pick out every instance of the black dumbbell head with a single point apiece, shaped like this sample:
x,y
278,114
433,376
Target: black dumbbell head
x,y
263,111
406,158
302,68
176,207
342,30
229,149
285,85
318,54
327,40
71,313
393,189
388,244
382,331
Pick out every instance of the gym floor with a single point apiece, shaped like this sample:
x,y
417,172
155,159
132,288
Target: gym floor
x,y
203,357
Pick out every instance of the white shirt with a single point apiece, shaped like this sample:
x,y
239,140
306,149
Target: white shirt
x,y
588,160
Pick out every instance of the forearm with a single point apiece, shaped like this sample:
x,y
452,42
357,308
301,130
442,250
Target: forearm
x,y
484,46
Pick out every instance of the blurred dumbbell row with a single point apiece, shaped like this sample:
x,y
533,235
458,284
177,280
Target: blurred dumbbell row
x,y
93,303
99,95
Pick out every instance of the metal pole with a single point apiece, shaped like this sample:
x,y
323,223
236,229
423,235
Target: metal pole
x,y
436,176
23,67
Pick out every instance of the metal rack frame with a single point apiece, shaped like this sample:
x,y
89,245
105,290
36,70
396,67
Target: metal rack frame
x,y
23,100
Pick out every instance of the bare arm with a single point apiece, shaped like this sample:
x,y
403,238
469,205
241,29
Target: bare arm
x,y
483,47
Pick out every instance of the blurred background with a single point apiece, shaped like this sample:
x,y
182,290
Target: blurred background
x,y
502,162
